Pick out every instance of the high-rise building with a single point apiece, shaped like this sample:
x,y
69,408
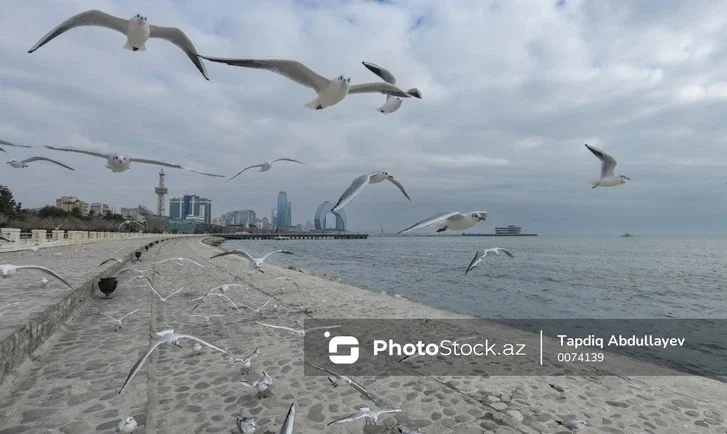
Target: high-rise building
x,y
190,207
265,224
244,217
289,215
100,208
67,203
282,217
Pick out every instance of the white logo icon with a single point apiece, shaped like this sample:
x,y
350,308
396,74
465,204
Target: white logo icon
x,y
337,341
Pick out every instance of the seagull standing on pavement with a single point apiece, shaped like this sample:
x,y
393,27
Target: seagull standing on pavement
x,y
261,385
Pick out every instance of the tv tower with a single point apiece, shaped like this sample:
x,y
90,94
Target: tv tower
x,y
161,191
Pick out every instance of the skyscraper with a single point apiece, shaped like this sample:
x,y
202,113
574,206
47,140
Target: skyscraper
x,y
283,213
190,205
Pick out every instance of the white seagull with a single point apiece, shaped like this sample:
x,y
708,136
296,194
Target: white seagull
x,y
257,310
299,332
218,295
257,262
261,385
117,322
608,165
573,424
137,31
481,254
246,425
559,388
290,279
18,164
128,222
367,414
246,362
359,183
8,270
264,167
453,220
180,261
126,425
44,282
330,91
342,379
120,163
392,103
3,142
164,299
206,317
197,349
289,421
163,337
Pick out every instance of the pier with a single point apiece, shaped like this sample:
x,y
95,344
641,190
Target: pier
x,y
294,236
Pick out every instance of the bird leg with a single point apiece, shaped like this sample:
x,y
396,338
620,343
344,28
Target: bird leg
x,y
596,185
442,229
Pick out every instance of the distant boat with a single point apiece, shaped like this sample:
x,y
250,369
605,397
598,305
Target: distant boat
x,y
627,235
280,237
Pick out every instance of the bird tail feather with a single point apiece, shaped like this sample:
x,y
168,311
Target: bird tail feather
x,y
313,105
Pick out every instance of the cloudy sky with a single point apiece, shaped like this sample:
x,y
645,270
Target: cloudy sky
x,y
512,90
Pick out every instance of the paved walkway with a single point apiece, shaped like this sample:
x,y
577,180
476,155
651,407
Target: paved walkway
x,y
73,383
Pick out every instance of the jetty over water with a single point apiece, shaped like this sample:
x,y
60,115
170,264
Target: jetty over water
x,y
295,236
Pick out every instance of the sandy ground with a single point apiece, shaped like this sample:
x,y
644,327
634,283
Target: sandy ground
x,y
72,384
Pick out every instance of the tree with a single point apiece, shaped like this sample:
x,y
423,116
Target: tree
x,y
8,207
52,212
76,212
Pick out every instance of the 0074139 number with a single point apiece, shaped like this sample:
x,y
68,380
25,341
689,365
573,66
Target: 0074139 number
x,y
580,357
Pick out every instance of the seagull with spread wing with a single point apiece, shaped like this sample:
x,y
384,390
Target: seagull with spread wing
x,y
6,143
299,332
19,164
362,181
136,29
164,299
261,385
164,337
128,222
117,322
453,220
257,262
120,163
247,361
482,254
392,103
329,91
8,270
342,379
264,167
180,261
608,165
369,416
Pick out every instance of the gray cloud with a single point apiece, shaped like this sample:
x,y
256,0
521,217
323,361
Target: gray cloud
x,y
512,91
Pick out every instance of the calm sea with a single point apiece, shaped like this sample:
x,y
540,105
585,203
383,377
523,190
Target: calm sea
x,y
550,277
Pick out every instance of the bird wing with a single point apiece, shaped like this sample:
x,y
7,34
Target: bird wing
x,y
31,159
608,164
362,391
176,291
476,260
194,262
178,38
322,328
289,421
137,366
240,172
383,73
254,354
128,314
380,412
109,317
157,162
355,188
235,252
321,368
432,220
400,187
79,151
291,69
110,260
249,383
505,251
416,93
93,17
204,173
267,379
201,341
155,291
278,327
45,270
378,87
266,303
358,415
3,142
276,251
287,159
228,299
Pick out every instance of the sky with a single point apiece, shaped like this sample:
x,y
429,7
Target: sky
x,y
512,90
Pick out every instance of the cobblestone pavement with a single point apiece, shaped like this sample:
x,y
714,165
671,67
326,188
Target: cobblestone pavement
x,y
73,383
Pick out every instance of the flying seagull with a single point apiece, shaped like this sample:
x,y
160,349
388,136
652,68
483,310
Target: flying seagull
x,y
367,414
299,332
257,262
330,91
180,261
222,288
338,378
137,31
392,103
246,362
481,254
608,165
3,142
120,163
218,295
18,164
128,222
117,322
164,337
264,167
257,310
359,183
8,270
453,220
261,385
164,299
